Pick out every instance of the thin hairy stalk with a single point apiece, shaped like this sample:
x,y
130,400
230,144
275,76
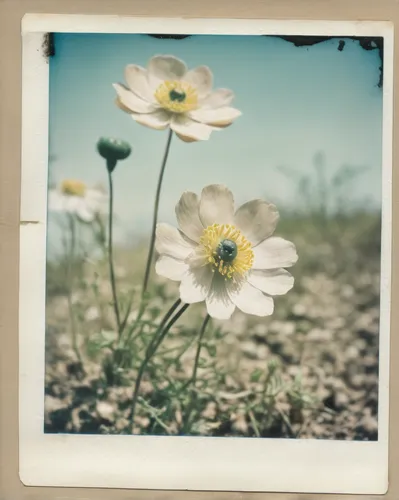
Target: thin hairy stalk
x,y
155,214
180,350
135,330
71,258
100,304
199,347
99,233
128,310
254,423
167,328
110,255
193,378
137,322
159,336
154,415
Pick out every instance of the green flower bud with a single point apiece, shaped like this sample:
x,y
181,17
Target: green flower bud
x,y
113,150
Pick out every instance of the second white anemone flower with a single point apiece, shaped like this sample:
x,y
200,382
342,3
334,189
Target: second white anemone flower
x,y
74,197
224,257
168,94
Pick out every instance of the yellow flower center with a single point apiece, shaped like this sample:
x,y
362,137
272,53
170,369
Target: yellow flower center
x,y
176,96
227,250
72,187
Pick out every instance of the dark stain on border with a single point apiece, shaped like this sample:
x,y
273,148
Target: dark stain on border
x,y
366,43
170,37
28,222
48,45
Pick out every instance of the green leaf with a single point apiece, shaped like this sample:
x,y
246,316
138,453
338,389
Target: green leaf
x,y
211,350
202,363
256,375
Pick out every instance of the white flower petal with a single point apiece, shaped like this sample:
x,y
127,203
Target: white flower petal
x,y
201,78
196,284
198,258
169,241
257,220
158,120
95,195
272,282
216,205
171,268
273,253
219,308
185,138
187,214
161,68
252,301
218,303
190,130
96,201
84,213
131,101
56,201
217,99
137,79
72,204
216,117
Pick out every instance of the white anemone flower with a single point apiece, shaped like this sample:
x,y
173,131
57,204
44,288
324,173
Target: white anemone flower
x,y
168,94
224,257
74,197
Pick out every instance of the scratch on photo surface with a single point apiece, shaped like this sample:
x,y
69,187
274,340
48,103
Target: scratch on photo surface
x,y
28,222
71,498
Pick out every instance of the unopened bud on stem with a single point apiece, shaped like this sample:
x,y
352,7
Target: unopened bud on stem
x,y
113,150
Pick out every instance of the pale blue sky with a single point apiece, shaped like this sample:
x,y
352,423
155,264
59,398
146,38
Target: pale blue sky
x,y
295,102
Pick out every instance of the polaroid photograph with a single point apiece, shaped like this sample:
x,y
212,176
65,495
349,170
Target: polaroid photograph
x,y
205,257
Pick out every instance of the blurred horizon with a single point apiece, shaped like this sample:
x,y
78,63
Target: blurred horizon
x,y
302,106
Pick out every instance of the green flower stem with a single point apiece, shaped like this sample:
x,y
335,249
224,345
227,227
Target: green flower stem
x,y
154,415
110,255
99,233
155,214
127,312
199,347
167,328
166,324
71,257
132,331
254,423
193,378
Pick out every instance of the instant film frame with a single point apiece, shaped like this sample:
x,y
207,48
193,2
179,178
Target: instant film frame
x,y
135,458
287,487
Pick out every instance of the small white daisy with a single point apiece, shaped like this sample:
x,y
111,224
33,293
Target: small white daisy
x,y
74,197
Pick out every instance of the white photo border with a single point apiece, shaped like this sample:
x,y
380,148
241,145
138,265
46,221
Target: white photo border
x,y
163,462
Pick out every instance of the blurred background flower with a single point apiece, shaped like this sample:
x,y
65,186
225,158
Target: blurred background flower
x,y
74,197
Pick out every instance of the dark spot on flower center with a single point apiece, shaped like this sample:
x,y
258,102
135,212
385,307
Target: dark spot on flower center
x,y
227,250
175,95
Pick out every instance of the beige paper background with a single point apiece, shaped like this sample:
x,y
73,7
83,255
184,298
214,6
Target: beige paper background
x,y
11,12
